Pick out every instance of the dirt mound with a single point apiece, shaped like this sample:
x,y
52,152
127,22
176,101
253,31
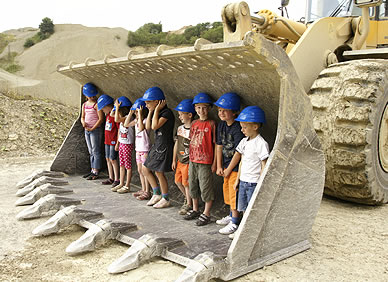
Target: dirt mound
x,y
32,127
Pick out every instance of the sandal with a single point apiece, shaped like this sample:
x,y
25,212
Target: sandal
x,y
138,193
192,214
202,220
86,175
107,182
144,196
92,176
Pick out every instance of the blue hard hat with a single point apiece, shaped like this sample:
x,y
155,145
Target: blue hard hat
x,y
104,100
125,102
202,98
186,106
138,103
229,101
252,114
89,90
153,93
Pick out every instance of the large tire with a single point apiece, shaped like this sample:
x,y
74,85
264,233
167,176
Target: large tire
x,y
351,119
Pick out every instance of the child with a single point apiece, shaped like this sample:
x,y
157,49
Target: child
x,y
91,119
202,159
160,119
228,136
124,144
254,152
186,114
111,128
142,146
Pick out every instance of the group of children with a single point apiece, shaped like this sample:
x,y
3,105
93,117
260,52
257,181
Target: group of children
x,y
233,149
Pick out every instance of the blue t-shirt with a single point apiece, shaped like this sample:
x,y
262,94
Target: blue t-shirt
x,y
229,137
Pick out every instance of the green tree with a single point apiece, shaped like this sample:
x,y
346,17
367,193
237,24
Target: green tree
x,y
46,26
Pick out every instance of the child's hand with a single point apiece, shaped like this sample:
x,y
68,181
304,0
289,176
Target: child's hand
x,y
173,166
160,105
227,172
220,171
117,104
214,168
139,111
117,147
235,185
83,123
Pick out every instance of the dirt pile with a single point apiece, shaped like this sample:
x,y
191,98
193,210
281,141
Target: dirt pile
x,y
31,127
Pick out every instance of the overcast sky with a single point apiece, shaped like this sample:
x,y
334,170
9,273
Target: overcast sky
x,y
173,14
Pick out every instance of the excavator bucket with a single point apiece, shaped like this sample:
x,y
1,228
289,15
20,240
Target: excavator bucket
x,y
280,215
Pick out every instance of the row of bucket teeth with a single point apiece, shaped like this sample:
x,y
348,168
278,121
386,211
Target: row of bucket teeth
x,y
38,182
38,174
43,196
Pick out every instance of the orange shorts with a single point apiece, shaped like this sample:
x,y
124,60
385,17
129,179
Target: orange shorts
x,y
229,192
182,174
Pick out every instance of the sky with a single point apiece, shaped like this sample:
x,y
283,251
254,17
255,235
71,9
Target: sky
x,y
172,14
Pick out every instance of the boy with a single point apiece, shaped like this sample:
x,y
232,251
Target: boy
x,y
110,142
254,152
186,114
202,163
229,136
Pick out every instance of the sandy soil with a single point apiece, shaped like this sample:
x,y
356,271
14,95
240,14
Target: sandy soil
x,y
349,244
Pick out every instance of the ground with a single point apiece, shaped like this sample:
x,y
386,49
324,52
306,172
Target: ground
x,y
348,240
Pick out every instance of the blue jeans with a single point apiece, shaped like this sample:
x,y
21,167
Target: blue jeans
x,y
245,192
93,141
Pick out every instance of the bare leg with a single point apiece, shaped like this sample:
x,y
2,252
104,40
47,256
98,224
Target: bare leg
x,y
110,168
116,170
195,204
122,175
208,206
150,177
180,186
188,197
162,181
129,177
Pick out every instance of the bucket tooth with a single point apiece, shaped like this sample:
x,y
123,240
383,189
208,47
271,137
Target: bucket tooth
x,y
48,203
204,267
38,174
145,248
40,181
40,192
97,235
63,218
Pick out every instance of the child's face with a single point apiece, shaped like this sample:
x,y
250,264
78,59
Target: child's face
x,y
151,105
226,115
92,99
106,110
202,110
185,117
250,129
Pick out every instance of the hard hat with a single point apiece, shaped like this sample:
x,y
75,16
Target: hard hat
x,y
153,93
138,103
89,90
125,102
202,98
229,101
252,114
186,106
104,100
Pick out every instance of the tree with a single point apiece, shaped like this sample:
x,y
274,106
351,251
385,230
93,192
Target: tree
x,y
46,26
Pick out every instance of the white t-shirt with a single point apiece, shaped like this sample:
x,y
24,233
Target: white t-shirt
x,y
252,153
126,134
142,143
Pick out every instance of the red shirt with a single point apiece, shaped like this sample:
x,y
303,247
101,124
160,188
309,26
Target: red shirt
x,y
202,140
111,128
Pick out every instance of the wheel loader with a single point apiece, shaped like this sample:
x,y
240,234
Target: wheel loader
x,y
322,83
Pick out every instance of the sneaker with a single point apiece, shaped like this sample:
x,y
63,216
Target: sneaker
x,y
224,221
117,187
115,183
184,209
163,203
154,200
123,190
231,236
228,229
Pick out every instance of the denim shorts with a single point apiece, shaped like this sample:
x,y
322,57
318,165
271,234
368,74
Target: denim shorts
x,y
110,152
245,192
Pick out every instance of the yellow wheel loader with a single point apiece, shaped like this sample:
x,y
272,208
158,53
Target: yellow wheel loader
x,y
323,86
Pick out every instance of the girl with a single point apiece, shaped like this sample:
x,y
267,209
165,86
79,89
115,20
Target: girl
x,y
91,119
142,145
124,144
160,119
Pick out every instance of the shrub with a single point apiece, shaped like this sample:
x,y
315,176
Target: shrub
x,y
28,43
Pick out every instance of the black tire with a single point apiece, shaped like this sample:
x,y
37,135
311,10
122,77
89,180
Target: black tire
x,y
351,118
